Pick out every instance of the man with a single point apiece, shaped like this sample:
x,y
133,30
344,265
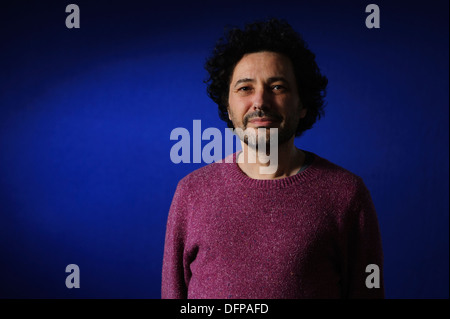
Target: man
x,y
309,228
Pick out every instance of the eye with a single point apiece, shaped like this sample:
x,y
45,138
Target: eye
x,y
244,90
278,87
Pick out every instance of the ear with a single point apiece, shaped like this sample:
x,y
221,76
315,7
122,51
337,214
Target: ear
x,y
303,112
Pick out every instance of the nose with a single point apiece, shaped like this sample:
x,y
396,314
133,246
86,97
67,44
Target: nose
x,y
261,99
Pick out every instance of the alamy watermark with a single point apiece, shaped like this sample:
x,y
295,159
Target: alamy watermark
x,y
263,146
73,279
373,279
73,19
373,19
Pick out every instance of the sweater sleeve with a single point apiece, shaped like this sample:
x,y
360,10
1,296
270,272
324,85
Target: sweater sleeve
x,y
173,284
363,257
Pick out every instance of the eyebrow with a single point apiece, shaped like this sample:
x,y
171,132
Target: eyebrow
x,y
278,78
270,80
244,80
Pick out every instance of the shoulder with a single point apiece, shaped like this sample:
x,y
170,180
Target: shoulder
x,y
344,188
334,172
204,176
337,179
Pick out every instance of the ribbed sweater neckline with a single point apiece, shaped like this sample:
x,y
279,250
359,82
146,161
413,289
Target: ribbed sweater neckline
x,y
237,175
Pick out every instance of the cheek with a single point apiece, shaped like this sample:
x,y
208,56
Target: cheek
x,y
237,106
297,107
288,105
230,103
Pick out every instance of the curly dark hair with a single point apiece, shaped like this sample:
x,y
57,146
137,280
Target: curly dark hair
x,y
274,36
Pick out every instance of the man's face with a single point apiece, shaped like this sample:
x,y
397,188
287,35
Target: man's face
x,y
263,94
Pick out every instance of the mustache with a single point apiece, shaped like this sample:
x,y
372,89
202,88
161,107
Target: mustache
x,y
260,113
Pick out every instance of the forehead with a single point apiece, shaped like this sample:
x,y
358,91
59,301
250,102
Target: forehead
x,y
263,65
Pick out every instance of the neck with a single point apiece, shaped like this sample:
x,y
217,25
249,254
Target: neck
x,y
289,161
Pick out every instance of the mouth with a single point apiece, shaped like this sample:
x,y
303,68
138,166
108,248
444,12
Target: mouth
x,y
263,121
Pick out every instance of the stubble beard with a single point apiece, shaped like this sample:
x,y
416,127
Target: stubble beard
x,y
251,137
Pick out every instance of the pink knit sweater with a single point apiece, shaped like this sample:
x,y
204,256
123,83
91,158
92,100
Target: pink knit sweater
x,y
310,235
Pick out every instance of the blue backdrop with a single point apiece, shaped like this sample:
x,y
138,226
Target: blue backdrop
x,y
86,115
